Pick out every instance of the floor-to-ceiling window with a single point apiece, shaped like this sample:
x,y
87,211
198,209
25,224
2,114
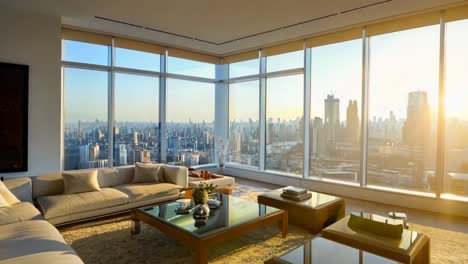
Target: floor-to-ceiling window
x,y
85,118
285,124
284,113
336,92
403,93
456,112
86,141
190,122
136,126
115,114
244,123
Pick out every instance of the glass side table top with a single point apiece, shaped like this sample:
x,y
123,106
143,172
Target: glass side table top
x,y
323,251
232,212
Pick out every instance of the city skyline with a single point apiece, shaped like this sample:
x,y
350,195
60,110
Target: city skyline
x,y
402,112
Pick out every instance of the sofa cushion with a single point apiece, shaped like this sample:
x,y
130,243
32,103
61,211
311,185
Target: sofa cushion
x,y
3,202
176,175
108,177
143,191
19,212
78,182
21,187
34,242
9,197
146,173
66,204
47,184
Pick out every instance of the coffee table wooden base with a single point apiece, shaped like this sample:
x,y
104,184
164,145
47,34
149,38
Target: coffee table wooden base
x,y
201,245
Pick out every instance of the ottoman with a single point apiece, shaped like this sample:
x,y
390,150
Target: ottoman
x,y
223,183
314,214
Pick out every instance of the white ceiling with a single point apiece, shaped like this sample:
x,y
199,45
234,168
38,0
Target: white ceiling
x,y
216,22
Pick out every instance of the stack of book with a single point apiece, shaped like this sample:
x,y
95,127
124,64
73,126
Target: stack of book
x,y
294,193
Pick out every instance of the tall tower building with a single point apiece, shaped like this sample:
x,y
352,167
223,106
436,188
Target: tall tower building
x,y
332,117
122,154
236,144
135,138
93,152
416,129
84,153
352,121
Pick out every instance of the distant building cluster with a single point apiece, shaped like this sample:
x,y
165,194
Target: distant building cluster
x,y
86,144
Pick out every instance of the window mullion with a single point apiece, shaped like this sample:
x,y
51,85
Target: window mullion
x,y
439,188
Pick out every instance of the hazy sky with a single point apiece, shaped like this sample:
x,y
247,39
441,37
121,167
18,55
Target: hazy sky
x,y
457,70
244,99
400,62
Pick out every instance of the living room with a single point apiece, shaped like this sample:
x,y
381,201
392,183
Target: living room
x,y
361,104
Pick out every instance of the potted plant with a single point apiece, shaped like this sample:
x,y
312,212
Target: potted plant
x,y
200,197
200,194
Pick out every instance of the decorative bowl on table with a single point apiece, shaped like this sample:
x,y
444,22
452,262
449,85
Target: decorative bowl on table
x,y
183,207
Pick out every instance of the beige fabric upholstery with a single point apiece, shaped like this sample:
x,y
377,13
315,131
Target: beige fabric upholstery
x,y
124,175
21,188
78,182
9,197
144,191
3,202
108,177
19,212
34,242
176,174
109,210
47,184
146,173
66,204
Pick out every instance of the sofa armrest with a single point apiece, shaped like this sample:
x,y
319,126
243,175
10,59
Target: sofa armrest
x,y
21,188
176,174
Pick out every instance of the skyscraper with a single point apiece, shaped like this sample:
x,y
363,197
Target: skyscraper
x,y
122,154
93,152
416,129
332,117
352,121
84,153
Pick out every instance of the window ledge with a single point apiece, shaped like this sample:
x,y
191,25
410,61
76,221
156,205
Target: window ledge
x,y
453,197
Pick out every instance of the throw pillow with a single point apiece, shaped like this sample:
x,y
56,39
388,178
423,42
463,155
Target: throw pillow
x,y
9,197
82,181
108,177
146,173
3,203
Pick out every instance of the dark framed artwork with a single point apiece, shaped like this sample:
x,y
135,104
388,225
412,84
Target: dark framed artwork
x,y
14,82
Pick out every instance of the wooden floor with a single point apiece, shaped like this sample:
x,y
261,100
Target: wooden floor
x,y
421,217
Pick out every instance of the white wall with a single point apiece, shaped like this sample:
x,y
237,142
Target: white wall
x,y
34,40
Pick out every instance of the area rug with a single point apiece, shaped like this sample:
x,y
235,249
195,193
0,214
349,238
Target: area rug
x,y
109,241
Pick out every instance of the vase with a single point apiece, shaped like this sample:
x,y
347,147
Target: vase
x,y
200,214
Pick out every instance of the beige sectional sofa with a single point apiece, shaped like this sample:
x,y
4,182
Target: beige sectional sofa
x,y
117,194
28,236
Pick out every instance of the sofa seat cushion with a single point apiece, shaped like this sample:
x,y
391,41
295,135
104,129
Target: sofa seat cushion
x,y
34,242
19,212
143,191
67,204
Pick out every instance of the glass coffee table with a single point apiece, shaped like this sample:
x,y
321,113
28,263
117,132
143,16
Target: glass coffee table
x,y
234,217
323,251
